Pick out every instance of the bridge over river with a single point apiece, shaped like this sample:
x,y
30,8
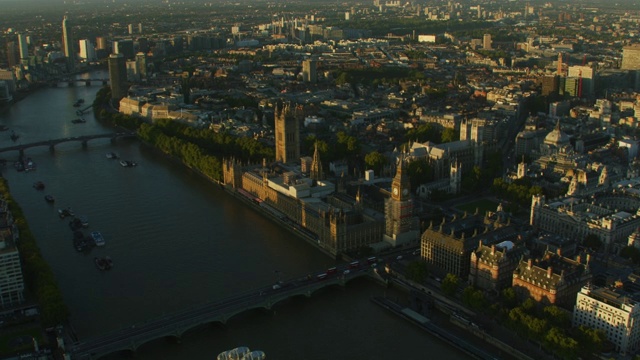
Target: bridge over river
x,y
73,82
52,143
175,325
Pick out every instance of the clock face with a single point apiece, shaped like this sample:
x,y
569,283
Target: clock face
x,y
395,191
405,192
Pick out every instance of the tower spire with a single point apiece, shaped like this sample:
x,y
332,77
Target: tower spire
x,y
316,164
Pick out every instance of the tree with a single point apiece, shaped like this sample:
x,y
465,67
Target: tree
x,y
449,135
529,305
509,297
419,172
450,284
417,271
375,161
557,316
474,298
591,340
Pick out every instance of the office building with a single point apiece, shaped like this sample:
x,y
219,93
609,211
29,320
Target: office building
x,y
287,127
549,85
118,76
11,278
612,311
492,265
13,55
23,46
447,247
552,279
611,218
486,42
101,43
143,45
631,57
130,29
124,47
87,51
67,43
141,65
572,86
586,80
309,71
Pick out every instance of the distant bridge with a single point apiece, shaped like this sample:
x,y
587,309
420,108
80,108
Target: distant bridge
x,y
175,325
52,143
73,82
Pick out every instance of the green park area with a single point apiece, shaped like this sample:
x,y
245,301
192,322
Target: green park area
x,y
20,339
482,205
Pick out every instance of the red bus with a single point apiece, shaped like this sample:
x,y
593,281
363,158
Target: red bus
x,y
332,270
354,265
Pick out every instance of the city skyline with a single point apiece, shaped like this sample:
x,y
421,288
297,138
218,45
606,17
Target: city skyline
x,y
481,156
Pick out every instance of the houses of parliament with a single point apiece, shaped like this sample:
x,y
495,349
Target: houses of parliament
x,y
297,191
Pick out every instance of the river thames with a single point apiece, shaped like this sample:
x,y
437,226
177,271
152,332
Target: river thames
x,y
177,241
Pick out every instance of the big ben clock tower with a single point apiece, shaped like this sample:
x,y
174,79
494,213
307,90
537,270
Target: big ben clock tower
x,y
401,224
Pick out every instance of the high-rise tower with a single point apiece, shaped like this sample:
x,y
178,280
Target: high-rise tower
x,y
486,42
287,124
87,50
309,71
631,57
401,224
23,46
560,72
118,76
67,43
13,55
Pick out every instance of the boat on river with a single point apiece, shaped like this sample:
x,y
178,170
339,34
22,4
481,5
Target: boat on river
x,y
29,165
84,220
63,213
101,264
242,353
98,239
75,224
19,165
49,198
78,121
80,242
111,155
127,163
38,185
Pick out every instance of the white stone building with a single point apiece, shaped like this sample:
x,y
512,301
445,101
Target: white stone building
x,y
612,311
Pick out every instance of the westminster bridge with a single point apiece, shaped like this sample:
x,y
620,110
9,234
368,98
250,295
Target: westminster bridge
x,y
175,325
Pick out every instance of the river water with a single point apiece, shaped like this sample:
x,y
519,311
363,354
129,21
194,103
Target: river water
x,y
177,241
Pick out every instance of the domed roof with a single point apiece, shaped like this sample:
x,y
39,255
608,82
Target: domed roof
x,y
556,137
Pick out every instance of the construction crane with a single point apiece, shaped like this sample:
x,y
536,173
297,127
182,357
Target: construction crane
x,y
584,61
580,83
